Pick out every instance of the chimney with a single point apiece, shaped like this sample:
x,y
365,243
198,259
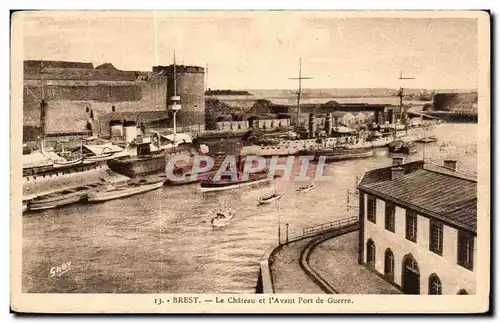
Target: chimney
x,y
450,164
397,172
398,161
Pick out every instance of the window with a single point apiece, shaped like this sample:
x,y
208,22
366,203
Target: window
x,y
389,265
390,211
370,253
411,226
372,209
465,250
435,287
436,237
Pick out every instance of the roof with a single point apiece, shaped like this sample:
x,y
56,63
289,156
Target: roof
x,y
430,190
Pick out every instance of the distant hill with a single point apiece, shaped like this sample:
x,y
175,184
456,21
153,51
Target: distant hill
x,y
348,92
227,92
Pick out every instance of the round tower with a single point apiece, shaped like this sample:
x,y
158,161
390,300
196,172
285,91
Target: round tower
x,y
187,89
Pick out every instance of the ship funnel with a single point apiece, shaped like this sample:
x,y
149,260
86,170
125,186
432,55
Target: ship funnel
x,y
312,125
130,131
328,124
116,128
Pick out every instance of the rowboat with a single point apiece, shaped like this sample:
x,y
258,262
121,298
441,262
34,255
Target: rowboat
x,y
337,154
428,139
305,188
269,198
112,192
60,198
93,159
222,218
66,163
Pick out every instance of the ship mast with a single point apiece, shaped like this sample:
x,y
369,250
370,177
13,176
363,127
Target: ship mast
x,y
400,94
299,92
42,109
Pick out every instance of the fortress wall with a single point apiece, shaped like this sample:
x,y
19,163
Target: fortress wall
x,y
56,64
454,101
67,104
80,74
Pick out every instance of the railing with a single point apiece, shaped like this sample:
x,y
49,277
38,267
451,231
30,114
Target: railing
x,y
329,226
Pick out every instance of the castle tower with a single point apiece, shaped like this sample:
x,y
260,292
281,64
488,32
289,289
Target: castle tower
x,y
187,88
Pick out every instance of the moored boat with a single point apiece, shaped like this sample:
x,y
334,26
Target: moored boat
x,y
66,163
111,192
93,159
401,147
337,154
428,139
60,198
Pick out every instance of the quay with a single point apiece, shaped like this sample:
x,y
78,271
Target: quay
x,y
298,266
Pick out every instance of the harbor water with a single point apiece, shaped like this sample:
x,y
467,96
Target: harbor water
x,y
162,241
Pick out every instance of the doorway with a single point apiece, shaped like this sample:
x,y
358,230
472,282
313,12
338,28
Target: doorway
x,y
410,281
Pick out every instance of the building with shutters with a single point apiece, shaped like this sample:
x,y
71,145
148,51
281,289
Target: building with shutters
x,y
418,224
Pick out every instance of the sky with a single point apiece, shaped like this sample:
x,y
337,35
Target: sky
x,y
261,50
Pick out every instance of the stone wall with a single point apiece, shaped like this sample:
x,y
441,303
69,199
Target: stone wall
x,y
68,100
455,101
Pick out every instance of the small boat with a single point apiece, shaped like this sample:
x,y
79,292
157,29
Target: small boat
x,y
97,158
428,139
222,218
342,153
305,188
402,147
112,192
266,199
65,163
60,198
447,147
25,206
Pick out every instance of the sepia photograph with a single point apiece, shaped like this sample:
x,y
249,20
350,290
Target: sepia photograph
x,y
250,161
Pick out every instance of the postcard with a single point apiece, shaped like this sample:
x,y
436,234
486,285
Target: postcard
x,y
250,161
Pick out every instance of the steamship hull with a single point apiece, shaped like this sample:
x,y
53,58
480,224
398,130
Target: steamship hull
x,y
338,154
40,181
138,166
223,185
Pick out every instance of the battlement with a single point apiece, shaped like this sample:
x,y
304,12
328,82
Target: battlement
x,y
178,69
56,64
